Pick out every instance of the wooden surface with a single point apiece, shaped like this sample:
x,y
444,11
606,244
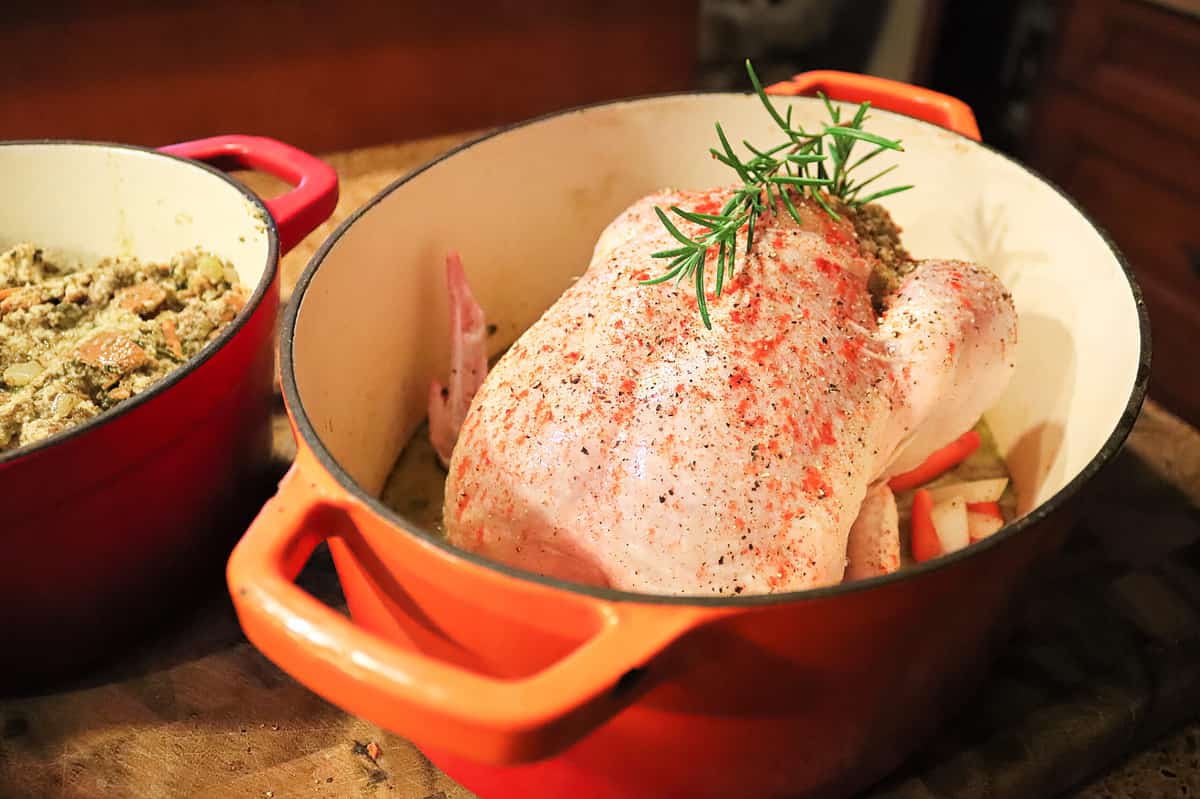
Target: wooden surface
x,y
326,75
1106,662
1124,83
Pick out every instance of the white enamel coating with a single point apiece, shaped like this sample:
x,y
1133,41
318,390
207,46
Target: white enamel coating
x,y
88,201
524,209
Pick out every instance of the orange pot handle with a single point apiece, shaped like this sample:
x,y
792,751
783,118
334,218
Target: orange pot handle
x,y
890,95
439,704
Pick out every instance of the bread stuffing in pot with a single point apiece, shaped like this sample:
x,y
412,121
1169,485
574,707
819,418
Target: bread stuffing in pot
x,y
731,397
75,342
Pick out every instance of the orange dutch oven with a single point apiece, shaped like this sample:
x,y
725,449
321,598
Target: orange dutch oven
x,y
109,525
521,686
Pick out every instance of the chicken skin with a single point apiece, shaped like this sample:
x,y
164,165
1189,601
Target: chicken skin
x,y
619,442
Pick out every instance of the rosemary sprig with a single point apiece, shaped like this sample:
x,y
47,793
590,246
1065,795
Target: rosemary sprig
x,y
817,164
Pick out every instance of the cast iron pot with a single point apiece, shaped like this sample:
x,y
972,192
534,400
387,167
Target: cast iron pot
x,y
521,686
105,524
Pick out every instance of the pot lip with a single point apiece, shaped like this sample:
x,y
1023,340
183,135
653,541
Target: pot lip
x,y
180,372
295,405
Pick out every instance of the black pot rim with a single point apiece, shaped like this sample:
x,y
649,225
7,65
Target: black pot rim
x,y
179,373
306,430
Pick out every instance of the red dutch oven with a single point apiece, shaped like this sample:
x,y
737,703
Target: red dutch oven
x,y
521,686
107,525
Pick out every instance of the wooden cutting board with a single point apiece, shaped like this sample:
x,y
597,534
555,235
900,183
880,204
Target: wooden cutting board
x,y
1106,661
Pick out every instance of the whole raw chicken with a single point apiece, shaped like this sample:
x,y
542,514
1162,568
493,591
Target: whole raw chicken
x,y
619,442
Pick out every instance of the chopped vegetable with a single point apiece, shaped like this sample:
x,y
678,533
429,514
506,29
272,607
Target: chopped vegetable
x,y
142,298
976,491
986,509
77,339
113,350
211,267
63,404
950,524
937,463
22,374
982,525
171,337
925,543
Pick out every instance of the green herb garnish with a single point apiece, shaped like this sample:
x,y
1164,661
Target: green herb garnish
x,y
817,164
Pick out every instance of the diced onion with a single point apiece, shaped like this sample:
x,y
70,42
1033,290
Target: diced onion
x,y
22,374
211,267
63,404
982,525
950,522
975,491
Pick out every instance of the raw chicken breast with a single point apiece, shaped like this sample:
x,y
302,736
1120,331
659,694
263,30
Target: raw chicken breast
x,y
619,442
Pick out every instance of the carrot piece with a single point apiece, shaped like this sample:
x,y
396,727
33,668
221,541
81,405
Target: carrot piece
x,y
171,336
986,508
5,292
925,542
943,460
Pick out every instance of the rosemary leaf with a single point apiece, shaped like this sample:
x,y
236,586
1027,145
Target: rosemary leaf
x,y
762,95
800,181
700,300
816,195
835,156
672,253
854,189
881,194
861,116
676,268
768,153
868,157
833,111
787,200
854,133
674,231
709,221
804,158
783,169
721,267
733,161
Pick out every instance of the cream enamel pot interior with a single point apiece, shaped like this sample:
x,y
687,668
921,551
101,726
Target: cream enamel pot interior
x,y
109,525
522,686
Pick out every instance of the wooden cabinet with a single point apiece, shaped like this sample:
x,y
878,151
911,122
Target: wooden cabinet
x,y
324,74
1117,125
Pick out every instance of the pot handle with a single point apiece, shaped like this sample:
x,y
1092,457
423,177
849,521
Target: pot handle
x,y
440,704
890,95
297,212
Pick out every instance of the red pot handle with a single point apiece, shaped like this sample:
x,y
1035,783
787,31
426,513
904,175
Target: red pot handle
x,y
439,704
890,95
297,212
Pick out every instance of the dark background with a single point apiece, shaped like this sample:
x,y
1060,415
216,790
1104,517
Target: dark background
x,y
1102,96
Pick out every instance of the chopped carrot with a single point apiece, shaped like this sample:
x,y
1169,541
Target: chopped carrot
x,y
986,508
171,336
141,298
19,298
110,349
937,463
925,542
